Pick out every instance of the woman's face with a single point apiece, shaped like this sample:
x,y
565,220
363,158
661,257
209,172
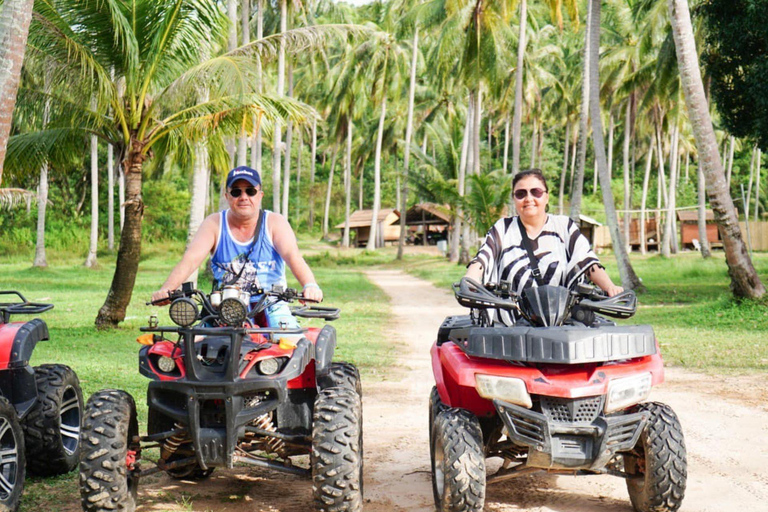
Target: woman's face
x,y
527,204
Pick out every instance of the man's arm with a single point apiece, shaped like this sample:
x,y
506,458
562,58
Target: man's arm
x,y
285,242
198,249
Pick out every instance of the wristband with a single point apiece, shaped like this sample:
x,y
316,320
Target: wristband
x,y
310,285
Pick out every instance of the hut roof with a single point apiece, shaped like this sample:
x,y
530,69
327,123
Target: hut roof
x,y
362,218
432,214
693,215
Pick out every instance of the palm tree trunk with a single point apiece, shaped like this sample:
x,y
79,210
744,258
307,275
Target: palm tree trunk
x,y
506,142
757,181
703,238
129,251
312,176
300,150
744,279
199,191
288,142
627,187
574,150
408,134
121,194
730,161
377,177
533,144
278,138
578,183
15,16
464,165
256,146
628,277
90,260
347,182
476,130
669,227
643,201
328,193
560,197
42,202
110,198
457,219
517,115
611,129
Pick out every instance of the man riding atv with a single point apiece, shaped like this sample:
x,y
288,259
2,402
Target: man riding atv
x,y
248,246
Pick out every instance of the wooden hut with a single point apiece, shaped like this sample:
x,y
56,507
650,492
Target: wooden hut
x,y
433,219
689,228
387,229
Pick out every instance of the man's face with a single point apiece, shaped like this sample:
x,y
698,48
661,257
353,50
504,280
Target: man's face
x,y
244,198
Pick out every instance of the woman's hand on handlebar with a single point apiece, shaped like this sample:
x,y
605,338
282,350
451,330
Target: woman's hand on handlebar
x,y
612,290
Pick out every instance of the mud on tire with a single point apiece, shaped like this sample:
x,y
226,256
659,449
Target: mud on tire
x,y
12,459
658,462
336,459
341,375
106,482
52,427
458,461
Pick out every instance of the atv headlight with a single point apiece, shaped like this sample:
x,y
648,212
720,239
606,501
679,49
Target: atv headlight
x,y
627,391
233,311
503,388
270,366
183,312
166,364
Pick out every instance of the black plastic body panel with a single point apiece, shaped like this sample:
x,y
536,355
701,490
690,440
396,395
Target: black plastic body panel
x,y
221,394
449,324
556,345
570,445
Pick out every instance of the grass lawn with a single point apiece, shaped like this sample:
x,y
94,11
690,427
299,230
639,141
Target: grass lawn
x,y
108,359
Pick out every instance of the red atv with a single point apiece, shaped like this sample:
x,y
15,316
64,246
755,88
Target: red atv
x,y
562,391
224,391
40,408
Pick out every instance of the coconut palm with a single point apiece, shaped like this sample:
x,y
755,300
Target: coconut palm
x,y
744,279
154,48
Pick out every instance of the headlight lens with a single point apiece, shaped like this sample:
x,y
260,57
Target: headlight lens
x,y
503,388
270,366
233,311
627,391
166,364
183,312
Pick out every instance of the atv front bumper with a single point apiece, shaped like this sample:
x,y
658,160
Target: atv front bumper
x,y
556,444
215,408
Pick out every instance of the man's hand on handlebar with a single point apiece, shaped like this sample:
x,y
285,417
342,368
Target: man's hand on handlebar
x,y
312,293
161,297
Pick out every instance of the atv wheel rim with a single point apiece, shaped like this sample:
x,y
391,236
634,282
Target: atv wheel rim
x,y
69,420
9,454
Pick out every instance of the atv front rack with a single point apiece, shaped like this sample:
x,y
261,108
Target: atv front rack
x,y
552,345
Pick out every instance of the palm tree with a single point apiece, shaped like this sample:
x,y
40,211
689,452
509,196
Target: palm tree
x,y
744,279
90,260
15,17
629,279
156,58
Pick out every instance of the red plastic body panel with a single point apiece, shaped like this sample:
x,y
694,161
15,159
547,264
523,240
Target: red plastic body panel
x,y
455,377
7,334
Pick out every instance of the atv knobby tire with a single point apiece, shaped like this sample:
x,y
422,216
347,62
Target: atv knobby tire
x,y
52,427
458,461
110,426
341,375
436,406
337,451
658,462
11,457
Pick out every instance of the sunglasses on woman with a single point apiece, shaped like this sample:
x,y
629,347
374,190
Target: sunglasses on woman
x,y
251,191
522,193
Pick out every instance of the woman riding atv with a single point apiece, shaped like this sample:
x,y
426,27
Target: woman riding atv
x,y
536,248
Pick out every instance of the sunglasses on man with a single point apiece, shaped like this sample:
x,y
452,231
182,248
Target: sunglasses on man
x,y
251,191
522,193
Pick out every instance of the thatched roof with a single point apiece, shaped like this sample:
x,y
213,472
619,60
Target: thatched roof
x,y
432,214
362,218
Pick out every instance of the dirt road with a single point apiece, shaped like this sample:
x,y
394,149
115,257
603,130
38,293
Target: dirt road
x,y
726,437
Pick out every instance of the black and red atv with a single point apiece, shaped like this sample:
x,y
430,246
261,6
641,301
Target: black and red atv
x,y
224,391
40,407
562,390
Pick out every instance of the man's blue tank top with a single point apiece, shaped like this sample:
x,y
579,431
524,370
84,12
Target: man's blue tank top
x,y
264,267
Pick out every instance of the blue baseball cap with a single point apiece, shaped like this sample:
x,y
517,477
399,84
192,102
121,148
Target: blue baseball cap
x,y
243,173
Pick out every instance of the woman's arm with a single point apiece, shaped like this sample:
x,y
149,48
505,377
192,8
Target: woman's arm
x,y
599,276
